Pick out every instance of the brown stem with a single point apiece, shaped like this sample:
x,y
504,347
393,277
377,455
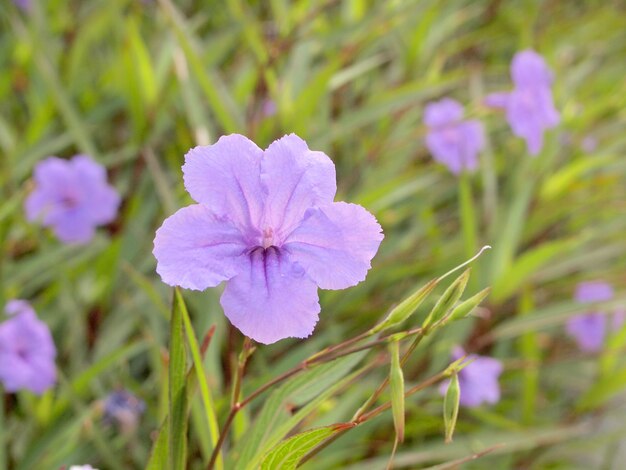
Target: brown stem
x,y
372,399
372,414
327,355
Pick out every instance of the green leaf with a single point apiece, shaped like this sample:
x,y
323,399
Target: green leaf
x,y
177,389
308,390
205,392
159,456
287,454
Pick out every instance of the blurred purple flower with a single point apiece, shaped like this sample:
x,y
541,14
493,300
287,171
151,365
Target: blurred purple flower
x,y
124,409
589,144
24,5
529,106
266,223
590,329
72,197
27,350
268,107
478,381
452,141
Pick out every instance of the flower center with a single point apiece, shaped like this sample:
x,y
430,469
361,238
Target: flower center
x,y
268,237
69,201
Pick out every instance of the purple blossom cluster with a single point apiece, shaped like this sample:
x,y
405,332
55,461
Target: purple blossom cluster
x,y
266,222
529,110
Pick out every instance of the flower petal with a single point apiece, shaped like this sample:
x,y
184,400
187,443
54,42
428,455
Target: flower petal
x,y
295,179
335,244
272,298
589,331
225,177
196,249
443,112
529,69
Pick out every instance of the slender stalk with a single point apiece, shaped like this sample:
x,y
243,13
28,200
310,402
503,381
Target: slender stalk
x,y
372,414
467,214
327,355
372,399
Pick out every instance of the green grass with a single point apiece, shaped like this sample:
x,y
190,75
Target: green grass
x,y
137,84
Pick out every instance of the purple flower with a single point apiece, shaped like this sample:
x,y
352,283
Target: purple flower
x,y
124,409
72,197
589,329
529,106
27,350
266,223
478,381
452,141
24,5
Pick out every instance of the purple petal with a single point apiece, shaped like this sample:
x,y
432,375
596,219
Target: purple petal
x,y
588,330
72,197
196,249
478,381
295,179
529,113
529,69
27,352
225,177
619,317
271,298
497,100
335,244
442,112
71,226
103,201
457,146
593,291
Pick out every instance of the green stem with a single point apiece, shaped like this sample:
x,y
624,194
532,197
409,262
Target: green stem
x,y
467,216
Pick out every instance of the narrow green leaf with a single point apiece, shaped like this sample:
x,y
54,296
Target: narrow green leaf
x,y
308,391
396,382
177,389
287,454
451,407
205,392
159,456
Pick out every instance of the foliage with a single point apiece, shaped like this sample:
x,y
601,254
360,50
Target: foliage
x,y
136,84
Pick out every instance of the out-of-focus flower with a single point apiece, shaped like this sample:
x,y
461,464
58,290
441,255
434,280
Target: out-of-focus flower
x,y
529,106
453,141
589,144
27,350
268,107
72,197
123,409
82,467
590,329
266,223
478,381
24,5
